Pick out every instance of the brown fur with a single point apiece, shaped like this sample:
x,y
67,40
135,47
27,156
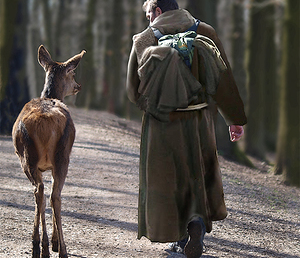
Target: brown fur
x,y
43,136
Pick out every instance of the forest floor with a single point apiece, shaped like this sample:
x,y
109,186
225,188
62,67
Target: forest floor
x,y
100,198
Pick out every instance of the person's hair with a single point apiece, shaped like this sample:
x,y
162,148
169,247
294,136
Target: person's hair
x,y
164,5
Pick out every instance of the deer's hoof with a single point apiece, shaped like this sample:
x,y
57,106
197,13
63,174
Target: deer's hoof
x,y
55,246
45,255
36,251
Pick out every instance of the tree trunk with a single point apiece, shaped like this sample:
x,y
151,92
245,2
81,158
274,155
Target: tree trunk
x,y
88,94
58,30
205,10
228,149
33,39
133,18
256,59
271,101
48,25
8,12
114,58
238,47
15,90
288,162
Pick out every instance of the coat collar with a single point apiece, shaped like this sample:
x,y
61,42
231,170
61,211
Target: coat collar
x,y
172,22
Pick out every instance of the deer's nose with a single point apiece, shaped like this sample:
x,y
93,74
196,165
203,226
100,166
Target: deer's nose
x,y
77,88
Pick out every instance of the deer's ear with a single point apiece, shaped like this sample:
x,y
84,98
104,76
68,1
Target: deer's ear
x,y
44,57
73,62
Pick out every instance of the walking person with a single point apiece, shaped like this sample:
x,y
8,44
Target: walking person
x,y
180,188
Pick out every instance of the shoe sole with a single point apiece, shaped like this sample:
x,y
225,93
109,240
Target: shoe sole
x,y
194,247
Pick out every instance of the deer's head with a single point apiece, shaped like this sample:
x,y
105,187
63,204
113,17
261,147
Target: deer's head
x,y
60,77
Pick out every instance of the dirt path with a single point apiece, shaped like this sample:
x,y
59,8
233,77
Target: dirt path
x,y
101,193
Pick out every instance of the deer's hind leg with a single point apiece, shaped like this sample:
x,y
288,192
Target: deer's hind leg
x,y
28,155
40,200
40,206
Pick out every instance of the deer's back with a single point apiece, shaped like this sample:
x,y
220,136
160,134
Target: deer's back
x,y
43,121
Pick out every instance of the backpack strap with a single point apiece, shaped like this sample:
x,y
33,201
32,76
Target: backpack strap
x,y
195,26
158,34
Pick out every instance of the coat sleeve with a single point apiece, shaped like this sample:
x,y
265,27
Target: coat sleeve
x,y
227,97
133,81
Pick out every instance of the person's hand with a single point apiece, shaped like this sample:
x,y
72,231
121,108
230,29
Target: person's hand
x,y
236,132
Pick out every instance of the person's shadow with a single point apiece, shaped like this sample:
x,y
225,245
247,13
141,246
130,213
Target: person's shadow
x,y
178,255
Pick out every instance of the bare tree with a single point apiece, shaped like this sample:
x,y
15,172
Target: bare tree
x,y
287,161
204,10
33,40
48,24
8,12
256,58
133,25
270,83
238,46
114,56
262,80
230,149
88,70
13,82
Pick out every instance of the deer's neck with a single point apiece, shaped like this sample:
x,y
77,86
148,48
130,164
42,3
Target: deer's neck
x,y
51,88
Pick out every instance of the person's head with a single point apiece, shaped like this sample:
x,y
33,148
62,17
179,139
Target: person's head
x,y
154,8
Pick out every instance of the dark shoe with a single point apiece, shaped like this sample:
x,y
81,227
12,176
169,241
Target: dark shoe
x,y
194,247
178,247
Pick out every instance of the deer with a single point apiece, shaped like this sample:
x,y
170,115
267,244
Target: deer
x,y
43,135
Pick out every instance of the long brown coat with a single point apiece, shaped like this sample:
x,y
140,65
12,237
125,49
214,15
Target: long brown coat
x,y
180,177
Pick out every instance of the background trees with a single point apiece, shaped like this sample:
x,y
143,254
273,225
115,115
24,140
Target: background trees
x,y
250,30
8,11
256,59
13,83
287,161
262,101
